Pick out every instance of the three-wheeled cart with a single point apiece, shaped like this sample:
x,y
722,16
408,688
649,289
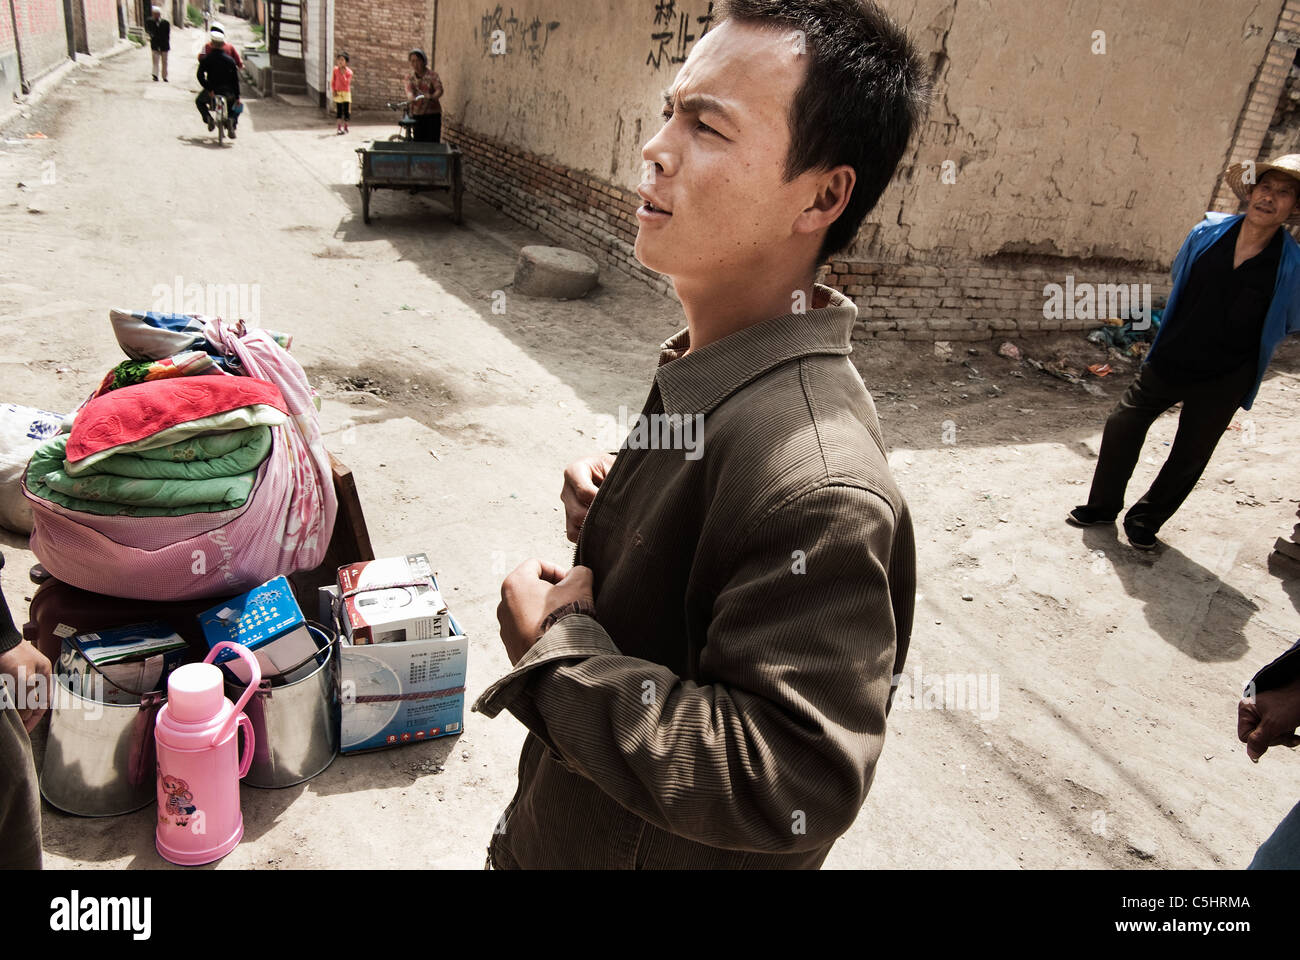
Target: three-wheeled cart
x,y
410,165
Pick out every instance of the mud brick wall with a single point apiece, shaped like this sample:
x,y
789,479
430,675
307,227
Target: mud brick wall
x,y
377,37
969,301
41,33
10,80
572,208
101,25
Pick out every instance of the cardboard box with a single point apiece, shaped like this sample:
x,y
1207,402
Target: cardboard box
x,y
268,621
398,692
392,600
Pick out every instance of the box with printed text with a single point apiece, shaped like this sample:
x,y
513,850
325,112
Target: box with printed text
x,y
397,692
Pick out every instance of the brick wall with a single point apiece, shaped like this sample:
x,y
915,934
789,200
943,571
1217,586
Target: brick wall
x,y
977,301
896,301
377,37
1261,102
42,36
101,24
574,209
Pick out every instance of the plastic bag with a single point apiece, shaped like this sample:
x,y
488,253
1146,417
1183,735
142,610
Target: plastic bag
x,y
22,430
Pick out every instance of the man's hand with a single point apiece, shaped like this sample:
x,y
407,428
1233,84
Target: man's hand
x,y
582,479
23,665
529,594
1270,720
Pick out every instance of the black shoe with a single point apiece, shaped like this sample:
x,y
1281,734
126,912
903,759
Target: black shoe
x,y
1085,516
232,133
1139,536
212,124
165,80
155,79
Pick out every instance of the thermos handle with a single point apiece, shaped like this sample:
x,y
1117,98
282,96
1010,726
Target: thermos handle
x,y
255,668
247,761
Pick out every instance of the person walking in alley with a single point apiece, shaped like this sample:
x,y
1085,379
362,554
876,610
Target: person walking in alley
x,y
424,94
160,42
341,84
1236,295
708,686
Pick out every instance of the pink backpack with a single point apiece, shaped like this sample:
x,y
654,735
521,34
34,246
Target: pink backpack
x,y
283,527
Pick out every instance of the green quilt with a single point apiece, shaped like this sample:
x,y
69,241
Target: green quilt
x,y
197,474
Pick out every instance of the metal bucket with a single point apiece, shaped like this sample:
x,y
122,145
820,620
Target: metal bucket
x,y
100,758
295,718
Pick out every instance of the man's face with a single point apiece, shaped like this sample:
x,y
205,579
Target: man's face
x,y
1272,200
716,168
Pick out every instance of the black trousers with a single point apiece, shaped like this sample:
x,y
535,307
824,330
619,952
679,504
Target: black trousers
x,y
428,128
343,109
1208,409
204,102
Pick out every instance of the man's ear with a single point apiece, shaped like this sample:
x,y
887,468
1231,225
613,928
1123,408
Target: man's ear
x,y
833,190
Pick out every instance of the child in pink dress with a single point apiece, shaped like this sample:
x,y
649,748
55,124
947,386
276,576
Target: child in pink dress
x,y
341,84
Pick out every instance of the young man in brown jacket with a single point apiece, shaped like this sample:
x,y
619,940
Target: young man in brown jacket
x,y
708,685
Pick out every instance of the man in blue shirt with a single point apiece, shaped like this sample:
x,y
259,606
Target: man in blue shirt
x,y
1234,298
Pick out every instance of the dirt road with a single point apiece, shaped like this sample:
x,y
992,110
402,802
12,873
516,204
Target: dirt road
x,y
1099,730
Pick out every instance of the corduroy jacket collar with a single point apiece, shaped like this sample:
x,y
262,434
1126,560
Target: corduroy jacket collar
x,y
698,382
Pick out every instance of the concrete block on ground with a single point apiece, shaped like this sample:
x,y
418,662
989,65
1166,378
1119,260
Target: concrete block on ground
x,y
555,272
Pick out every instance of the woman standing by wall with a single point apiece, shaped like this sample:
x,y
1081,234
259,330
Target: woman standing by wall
x,y
424,92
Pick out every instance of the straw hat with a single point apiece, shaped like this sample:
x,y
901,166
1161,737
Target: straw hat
x,y
1289,165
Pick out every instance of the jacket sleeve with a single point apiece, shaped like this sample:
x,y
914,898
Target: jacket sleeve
x,y
1185,251
775,749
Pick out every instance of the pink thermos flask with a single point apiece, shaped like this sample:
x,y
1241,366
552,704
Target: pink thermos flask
x,y
199,768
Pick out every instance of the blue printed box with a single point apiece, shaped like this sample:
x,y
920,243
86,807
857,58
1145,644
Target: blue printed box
x,y
268,621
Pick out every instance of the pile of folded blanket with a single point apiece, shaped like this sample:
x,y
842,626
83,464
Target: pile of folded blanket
x,y
196,474
169,472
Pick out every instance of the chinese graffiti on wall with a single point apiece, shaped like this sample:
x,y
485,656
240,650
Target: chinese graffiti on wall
x,y
502,36
671,39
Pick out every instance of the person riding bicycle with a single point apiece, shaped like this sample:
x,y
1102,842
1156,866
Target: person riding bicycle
x,y
218,75
230,48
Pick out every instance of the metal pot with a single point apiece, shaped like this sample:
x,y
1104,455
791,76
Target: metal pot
x,y
295,718
100,757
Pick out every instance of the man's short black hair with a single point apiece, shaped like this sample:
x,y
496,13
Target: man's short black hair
x,y
346,58
861,100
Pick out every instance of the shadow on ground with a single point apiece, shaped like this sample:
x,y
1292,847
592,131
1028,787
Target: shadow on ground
x,y
1189,606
